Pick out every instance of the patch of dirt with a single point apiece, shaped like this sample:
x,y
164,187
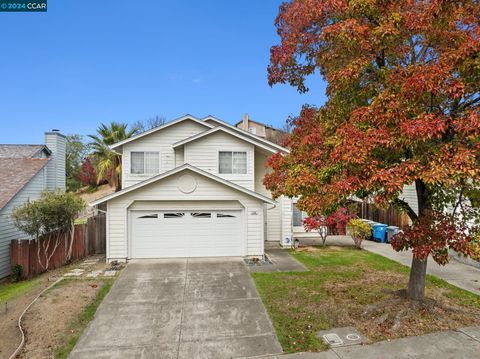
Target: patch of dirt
x,y
376,305
48,320
9,313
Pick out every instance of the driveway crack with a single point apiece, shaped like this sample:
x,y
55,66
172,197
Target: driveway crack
x,y
182,309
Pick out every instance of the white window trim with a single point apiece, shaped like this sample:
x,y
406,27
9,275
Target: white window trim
x,y
232,174
143,174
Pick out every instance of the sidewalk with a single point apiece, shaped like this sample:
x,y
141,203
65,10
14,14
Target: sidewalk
x,y
461,344
455,273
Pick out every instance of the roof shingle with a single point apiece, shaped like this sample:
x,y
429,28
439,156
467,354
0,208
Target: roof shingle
x,y
15,173
19,151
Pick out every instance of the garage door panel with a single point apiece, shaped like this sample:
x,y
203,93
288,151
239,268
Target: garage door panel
x,y
162,234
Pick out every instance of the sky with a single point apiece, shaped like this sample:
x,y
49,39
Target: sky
x,y
85,62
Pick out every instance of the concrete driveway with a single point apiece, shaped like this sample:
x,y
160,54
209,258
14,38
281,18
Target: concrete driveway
x,y
180,308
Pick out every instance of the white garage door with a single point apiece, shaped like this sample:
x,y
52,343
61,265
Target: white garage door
x,y
180,233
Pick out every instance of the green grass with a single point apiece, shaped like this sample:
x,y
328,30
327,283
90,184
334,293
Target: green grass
x,y
340,284
9,291
81,322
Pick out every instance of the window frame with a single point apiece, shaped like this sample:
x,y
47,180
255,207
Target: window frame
x,y
144,173
232,162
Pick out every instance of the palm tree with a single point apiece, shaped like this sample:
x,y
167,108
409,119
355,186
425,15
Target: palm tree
x,y
108,162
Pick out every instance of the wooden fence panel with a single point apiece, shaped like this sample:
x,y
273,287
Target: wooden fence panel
x,y
389,216
88,239
100,234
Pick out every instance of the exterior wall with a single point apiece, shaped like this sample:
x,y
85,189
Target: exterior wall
x,y
287,229
160,141
273,215
167,190
179,157
409,195
8,231
203,153
56,172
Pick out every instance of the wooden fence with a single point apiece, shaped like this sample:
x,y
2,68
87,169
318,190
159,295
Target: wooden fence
x,y
389,216
88,239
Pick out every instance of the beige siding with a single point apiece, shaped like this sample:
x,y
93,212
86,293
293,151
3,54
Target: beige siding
x,y
8,231
160,141
179,159
286,204
274,215
409,194
166,190
203,153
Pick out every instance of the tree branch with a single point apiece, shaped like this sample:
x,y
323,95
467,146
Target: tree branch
x,y
406,207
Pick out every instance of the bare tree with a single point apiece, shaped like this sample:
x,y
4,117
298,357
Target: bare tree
x,y
150,123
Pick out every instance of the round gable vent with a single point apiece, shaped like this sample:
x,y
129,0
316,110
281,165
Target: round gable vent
x,y
187,184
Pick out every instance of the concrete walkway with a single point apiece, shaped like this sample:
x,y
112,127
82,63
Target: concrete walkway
x,y
281,260
181,308
462,344
456,273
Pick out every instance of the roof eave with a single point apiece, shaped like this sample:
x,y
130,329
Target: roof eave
x,y
177,170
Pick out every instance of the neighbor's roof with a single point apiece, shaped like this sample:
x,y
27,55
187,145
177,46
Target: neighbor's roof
x,y
245,133
180,169
260,123
15,173
21,151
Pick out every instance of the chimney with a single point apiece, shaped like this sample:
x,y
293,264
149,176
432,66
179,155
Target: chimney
x,y
56,174
245,120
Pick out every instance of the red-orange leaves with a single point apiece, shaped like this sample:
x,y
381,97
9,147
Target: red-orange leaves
x,y
403,107
424,127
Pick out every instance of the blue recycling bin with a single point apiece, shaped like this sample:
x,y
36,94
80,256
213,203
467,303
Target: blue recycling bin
x,y
379,232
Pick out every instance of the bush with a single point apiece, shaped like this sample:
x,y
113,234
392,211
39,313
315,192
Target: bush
x,y
17,272
337,220
359,230
88,174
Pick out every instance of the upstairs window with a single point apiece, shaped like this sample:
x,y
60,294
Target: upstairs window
x,y
232,162
252,130
144,163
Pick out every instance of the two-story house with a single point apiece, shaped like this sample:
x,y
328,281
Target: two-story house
x,y
193,188
262,130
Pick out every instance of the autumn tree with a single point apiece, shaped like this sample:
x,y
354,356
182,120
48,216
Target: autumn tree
x,y
403,87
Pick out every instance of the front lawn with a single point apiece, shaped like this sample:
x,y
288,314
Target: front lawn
x,y
351,287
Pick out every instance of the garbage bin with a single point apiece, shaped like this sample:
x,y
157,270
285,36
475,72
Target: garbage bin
x,y
371,224
379,232
391,231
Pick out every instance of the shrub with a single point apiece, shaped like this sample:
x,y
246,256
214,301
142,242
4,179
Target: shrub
x,y
337,221
359,230
17,272
318,224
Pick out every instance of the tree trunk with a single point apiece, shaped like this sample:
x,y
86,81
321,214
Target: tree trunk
x,y
416,283
418,270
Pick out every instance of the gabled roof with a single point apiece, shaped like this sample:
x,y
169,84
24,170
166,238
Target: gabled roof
x,y
180,169
15,174
22,151
159,128
239,135
245,133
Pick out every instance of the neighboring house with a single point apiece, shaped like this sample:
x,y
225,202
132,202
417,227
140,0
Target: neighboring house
x,y
261,130
26,171
194,188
